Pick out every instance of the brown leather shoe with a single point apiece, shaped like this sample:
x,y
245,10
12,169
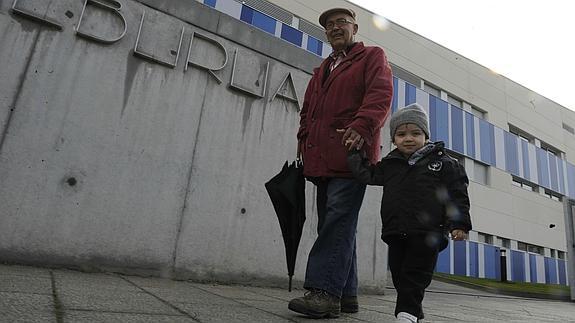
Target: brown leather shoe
x,y
317,304
349,304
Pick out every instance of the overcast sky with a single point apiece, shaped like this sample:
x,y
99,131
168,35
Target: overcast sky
x,y
530,42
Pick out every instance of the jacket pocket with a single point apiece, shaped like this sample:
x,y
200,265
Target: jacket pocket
x,y
336,151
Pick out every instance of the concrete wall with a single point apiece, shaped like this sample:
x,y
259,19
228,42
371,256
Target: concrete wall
x,y
110,159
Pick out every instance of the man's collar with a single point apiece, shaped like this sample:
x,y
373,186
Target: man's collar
x,y
335,54
342,52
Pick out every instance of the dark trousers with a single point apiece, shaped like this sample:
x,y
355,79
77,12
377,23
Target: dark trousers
x,y
332,264
412,260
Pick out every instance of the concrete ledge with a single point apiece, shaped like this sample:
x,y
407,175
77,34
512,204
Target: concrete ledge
x,y
237,31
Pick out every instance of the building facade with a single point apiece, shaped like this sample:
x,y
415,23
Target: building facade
x,y
517,146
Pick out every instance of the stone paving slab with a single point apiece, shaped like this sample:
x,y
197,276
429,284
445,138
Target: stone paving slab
x,y
25,284
71,280
232,313
107,317
233,292
25,307
114,302
24,271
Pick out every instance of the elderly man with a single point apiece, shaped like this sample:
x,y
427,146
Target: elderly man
x,y
345,105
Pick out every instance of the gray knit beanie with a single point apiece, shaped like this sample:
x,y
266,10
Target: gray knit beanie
x,y
412,113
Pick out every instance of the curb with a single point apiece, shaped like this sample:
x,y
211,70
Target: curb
x,y
531,295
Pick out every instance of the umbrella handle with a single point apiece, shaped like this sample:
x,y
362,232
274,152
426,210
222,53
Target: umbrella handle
x,y
289,286
298,162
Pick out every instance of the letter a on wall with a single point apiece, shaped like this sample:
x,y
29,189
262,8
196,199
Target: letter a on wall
x,y
287,91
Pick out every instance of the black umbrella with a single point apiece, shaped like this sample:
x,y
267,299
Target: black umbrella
x,y
287,192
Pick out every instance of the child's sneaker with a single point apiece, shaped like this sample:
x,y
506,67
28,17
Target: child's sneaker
x,y
406,317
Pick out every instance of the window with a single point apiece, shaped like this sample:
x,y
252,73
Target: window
x,y
454,101
535,249
405,75
480,173
485,238
478,113
560,254
431,89
519,182
521,134
550,149
553,253
522,246
530,248
552,195
505,243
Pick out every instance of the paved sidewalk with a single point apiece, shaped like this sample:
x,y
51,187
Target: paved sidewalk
x,y
29,294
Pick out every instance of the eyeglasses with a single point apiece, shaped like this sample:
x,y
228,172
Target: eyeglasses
x,y
338,22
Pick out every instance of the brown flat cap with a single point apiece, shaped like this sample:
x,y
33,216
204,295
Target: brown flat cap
x,y
327,13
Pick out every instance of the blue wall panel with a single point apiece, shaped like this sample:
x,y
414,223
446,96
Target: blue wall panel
x,y
457,129
562,273
517,266
410,91
459,259
211,3
443,261
553,172
487,142
394,103
473,259
525,155
491,262
264,22
533,268
571,179
438,117
291,34
511,156
247,14
314,45
542,167
470,134
550,271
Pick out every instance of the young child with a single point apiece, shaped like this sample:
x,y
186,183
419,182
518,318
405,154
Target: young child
x,y
425,197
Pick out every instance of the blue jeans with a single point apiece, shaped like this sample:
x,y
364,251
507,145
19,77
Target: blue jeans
x,y
332,264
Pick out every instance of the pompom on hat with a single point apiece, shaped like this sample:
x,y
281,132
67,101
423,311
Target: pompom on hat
x,y
412,113
323,17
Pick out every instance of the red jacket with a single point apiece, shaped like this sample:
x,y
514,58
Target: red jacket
x,y
356,94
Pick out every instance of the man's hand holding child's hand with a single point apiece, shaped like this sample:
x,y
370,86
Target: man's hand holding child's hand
x,y
351,139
